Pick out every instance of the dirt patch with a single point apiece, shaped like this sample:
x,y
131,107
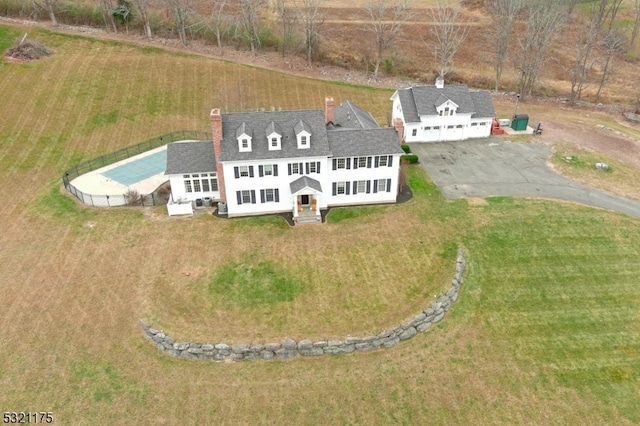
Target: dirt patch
x,y
599,139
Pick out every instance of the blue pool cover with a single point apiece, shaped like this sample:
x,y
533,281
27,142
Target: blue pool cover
x,y
140,169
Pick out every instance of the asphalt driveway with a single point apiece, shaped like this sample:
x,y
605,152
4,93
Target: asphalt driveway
x,y
491,167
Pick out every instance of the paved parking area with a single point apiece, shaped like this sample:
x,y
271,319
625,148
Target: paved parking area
x,y
492,167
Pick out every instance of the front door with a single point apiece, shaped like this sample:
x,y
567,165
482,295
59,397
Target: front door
x,y
304,200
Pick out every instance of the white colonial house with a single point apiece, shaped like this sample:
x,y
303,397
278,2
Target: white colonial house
x,y
300,161
442,113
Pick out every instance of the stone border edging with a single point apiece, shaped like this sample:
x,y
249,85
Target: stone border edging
x,y
289,348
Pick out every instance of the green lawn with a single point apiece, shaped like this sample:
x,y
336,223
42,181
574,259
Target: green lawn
x,y
546,329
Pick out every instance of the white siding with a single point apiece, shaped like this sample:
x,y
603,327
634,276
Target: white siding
x,y
367,174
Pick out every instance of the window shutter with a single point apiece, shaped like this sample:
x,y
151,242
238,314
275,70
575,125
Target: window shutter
x,y
334,186
260,171
368,162
348,162
300,168
289,169
355,187
318,167
262,195
390,162
250,171
236,172
368,186
276,195
335,164
377,160
239,196
355,162
275,170
346,191
388,185
307,167
375,186
253,196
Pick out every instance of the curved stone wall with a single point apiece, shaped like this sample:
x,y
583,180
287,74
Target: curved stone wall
x,y
289,348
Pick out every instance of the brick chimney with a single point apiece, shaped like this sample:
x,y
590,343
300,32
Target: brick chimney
x,y
216,131
329,110
399,126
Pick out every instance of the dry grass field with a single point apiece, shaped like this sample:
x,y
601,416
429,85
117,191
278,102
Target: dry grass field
x,y
546,330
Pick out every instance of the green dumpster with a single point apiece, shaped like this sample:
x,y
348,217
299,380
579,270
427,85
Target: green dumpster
x,y
520,122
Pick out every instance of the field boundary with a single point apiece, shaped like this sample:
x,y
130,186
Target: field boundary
x,y
101,200
289,348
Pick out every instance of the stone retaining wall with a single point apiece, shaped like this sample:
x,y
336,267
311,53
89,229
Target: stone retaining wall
x,y
289,348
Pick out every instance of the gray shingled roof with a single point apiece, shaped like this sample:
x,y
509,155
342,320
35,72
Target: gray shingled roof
x,y
301,126
483,103
313,120
348,143
303,182
273,128
244,130
423,100
351,116
190,157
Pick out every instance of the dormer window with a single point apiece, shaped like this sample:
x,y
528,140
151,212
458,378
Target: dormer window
x,y
303,135
244,136
274,136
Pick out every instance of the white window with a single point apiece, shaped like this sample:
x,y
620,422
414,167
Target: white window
x,y
414,132
214,184
382,161
341,164
268,170
303,140
362,186
244,171
295,168
362,161
427,128
269,195
274,142
187,185
382,185
313,167
446,111
340,188
196,185
436,127
245,143
459,126
474,124
246,197
450,127
483,124
205,185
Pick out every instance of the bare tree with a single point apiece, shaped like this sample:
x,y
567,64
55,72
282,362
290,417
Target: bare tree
x,y
505,12
614,44
309,11
386,18
142,8
636,24
543,17
180,11
217,20
250,14
50,7
106,7
602,11
288,21
448,31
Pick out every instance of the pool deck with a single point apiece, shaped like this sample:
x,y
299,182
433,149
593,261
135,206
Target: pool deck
x,y
96,183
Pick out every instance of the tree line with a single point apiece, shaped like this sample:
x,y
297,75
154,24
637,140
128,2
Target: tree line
x,y
520,35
